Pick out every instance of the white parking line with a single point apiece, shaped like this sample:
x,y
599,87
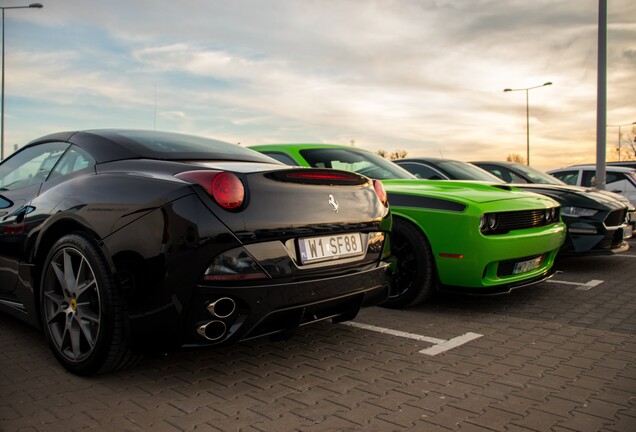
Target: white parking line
x,y
439,345
450,344
580,286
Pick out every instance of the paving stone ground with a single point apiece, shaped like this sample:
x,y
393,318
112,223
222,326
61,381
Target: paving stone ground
x,y
559,356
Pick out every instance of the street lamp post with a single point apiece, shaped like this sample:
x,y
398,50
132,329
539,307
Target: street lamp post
x,y
528,116
32,5
620,136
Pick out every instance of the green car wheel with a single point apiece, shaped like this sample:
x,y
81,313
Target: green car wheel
x,y
415,274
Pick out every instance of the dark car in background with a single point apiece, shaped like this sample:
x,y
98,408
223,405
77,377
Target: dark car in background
x,y
512,172
596,222
445,169
117,242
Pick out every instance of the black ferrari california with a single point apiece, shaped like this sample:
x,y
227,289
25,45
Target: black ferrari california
x,y
120,242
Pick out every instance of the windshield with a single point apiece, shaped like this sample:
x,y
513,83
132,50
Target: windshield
x,y
362,162
537,176
465,171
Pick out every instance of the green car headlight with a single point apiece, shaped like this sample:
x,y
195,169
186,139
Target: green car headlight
x,y
488,222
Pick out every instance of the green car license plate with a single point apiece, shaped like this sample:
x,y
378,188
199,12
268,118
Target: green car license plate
x,y
524,266
326,248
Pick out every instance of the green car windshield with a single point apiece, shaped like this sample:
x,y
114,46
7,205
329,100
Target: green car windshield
x,y
362,162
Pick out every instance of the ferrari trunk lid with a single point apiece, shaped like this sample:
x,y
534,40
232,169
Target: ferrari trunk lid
x,y
300,201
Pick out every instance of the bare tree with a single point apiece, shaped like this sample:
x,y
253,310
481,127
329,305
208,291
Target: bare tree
x,y
398,154
515,157
627,149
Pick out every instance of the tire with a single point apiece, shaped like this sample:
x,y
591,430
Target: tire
x,y
415,276
81,309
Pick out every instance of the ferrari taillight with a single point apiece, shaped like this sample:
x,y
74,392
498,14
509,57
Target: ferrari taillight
x,y
224,187
380,191
323,175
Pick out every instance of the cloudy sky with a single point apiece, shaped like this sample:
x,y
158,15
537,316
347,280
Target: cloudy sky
x,y
425,76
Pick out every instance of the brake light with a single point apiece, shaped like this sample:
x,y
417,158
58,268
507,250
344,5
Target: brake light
x,y
322,175
224,187
381,192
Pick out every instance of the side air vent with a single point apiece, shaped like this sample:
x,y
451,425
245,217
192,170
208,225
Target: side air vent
x,y
616,218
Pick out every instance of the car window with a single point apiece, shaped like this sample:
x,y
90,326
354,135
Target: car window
x,y
466,171
569,177
174,146
281,157
513,176
422,171
611,177
532,175
362,162
503,173
30,166
588,178
73,160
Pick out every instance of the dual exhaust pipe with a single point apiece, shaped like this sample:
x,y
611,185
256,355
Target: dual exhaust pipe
x,y
220,309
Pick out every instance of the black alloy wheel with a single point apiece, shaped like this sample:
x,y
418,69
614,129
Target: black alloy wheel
x,y
414,280
81,309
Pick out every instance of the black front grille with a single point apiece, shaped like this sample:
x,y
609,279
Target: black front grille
x,y
508,221
615,218
507,268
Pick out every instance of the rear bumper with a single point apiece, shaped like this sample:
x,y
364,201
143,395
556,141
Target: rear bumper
x,y
280,309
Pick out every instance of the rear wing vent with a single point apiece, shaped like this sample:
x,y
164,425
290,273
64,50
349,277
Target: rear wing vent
x,y
319,177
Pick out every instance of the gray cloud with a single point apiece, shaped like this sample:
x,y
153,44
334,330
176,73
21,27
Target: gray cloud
x,y
426,76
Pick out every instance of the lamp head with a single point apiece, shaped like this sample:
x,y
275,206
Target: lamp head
x,y
36,5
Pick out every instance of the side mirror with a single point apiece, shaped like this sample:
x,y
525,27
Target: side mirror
x,y
5,203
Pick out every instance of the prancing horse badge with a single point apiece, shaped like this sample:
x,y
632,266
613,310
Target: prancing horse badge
x,y
333,203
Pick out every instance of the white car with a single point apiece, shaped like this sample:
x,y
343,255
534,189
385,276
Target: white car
x,y
618,179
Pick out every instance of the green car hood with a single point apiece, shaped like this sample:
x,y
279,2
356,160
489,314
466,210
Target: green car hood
x,y
457,190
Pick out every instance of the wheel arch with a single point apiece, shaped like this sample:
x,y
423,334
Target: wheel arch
x,y
47,239
416,275
410,220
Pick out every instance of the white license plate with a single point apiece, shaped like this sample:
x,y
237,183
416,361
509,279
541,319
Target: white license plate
x,y
524,266
332,247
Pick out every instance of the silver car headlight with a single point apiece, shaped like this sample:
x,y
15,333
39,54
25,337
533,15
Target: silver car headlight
x,y
577,211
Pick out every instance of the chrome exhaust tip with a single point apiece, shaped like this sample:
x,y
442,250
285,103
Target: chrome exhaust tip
x,y
222,308
212,330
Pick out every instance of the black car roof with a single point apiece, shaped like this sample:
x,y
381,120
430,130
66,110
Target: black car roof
x,y
116,144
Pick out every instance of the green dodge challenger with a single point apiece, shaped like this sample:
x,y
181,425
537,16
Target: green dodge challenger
x,y
449,235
